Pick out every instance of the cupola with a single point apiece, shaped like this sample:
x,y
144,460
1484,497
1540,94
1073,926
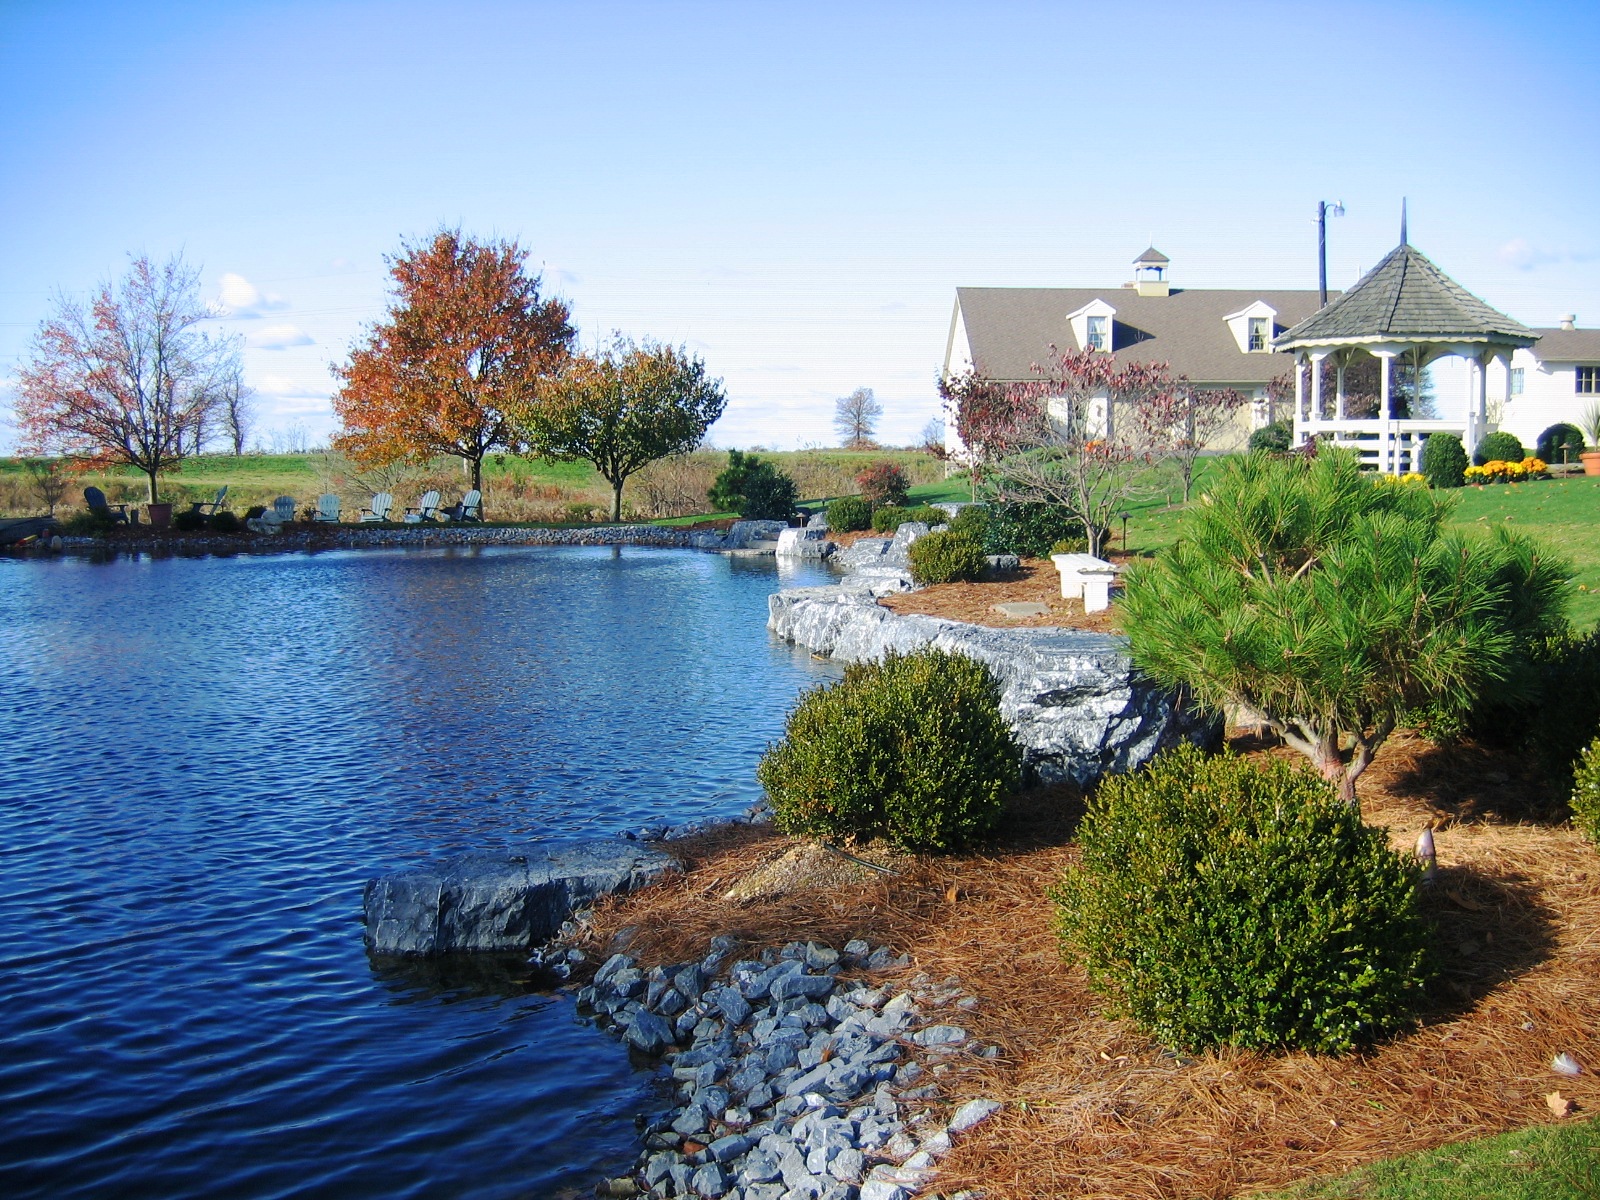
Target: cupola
x,y
1150,273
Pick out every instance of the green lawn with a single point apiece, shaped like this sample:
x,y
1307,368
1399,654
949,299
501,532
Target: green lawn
x,y
1545,1162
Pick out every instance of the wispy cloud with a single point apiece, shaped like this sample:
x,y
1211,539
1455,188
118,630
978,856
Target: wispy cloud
x,y
278,337
242,300
1523,255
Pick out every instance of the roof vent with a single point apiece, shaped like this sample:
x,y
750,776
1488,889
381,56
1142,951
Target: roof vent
x,y
1149,273
1570,321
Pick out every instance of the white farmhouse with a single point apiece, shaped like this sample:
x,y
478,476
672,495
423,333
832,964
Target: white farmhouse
x,y
1218,338
1554,381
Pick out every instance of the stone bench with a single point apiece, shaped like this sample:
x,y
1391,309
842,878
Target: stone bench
x,y
1087,578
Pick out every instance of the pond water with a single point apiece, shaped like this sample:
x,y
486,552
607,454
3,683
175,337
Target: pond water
x,y
202,760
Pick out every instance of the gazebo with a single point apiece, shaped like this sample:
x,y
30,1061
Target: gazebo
x,y
1405,308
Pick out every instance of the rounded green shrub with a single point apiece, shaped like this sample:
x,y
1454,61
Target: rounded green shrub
x,y
929,514
972,519
848,514
1499,446
912,749
1028,529
1222,903
947,557
189,520
1444,460
224,522
1275,438
1585,800
1558,438
888,518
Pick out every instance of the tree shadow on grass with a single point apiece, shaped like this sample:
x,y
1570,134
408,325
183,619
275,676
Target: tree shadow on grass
x,y
1488,929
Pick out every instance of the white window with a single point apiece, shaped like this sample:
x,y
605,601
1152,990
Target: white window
x,y
1097,339
1258,333
1588,381
1516,381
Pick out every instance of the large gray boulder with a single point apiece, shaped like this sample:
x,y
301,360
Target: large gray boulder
x,y
1071,696
504,901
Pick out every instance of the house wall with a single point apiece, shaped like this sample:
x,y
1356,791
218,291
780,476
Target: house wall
x,y
1549,395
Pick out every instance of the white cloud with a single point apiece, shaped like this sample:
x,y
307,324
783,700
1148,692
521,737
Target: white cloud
x,y
279,337
1522,255
242,300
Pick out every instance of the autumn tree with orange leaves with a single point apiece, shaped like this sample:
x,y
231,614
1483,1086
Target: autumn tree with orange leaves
x,y
468,343
127,377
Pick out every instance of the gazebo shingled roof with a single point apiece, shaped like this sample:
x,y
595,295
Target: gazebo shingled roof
x,y
1405,298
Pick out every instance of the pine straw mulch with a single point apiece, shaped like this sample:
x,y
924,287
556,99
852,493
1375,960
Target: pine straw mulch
x,y
1093,1109
1036,580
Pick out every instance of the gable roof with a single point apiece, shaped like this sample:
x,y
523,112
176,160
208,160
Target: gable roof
x,y
1568,345
1010,329
1406,298
1153,257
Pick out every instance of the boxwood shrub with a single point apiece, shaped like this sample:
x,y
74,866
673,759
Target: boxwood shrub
x,y
1557,438
947,557
1585,799
891,516
1220,902
912,749
1499,446
1275,438
1028,529
1444,460
848,514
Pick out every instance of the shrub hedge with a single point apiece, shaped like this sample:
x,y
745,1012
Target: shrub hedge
x,y
912,749
1223,903
848,514
946,557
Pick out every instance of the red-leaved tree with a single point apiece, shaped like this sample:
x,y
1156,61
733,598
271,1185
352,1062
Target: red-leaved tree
x,y
1195,417
128,377
468,343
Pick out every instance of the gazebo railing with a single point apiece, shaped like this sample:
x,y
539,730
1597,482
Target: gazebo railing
x,y
1392,447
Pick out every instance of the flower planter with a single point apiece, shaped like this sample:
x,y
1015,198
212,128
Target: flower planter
x,y
160,515
1591,462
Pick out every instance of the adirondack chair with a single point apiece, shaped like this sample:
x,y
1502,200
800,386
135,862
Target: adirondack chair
x,y
212,505
470,507
327,509
274,519
96,500
381,504
427,509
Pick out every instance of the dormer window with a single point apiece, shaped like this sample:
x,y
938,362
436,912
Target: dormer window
x,y
1092,326
1099,334
1258,333
1252,327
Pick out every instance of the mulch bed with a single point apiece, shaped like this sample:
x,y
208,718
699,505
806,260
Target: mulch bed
x,y
1094,1109
1037,580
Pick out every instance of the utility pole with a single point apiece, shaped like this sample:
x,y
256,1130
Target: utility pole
x,y
1324,210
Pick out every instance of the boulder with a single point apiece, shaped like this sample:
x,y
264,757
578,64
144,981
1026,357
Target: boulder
x,y
804,543
500,902
1071,696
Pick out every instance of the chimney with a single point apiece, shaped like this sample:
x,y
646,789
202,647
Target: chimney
x,y
1570,321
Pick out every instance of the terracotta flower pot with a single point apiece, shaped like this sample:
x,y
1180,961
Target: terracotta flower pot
x,y
1591,462
161,514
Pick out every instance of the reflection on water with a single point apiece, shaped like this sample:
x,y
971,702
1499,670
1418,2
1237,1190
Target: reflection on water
x,y
201,760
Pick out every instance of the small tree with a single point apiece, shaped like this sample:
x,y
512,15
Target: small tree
x,y
1328,605
856,417
1195,417
625,407
127,378
468,343
989,417
238,412
753,488
1084,435
883,483
47,480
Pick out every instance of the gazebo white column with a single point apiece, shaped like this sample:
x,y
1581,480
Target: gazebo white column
x,y
1316,385
1299,400
1388,451
1340,361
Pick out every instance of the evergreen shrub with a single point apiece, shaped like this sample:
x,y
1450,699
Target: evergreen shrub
x,y
946,557
1028,529
1499,446
224,522
1558,437
1275,438
1585,799
189,520
848,514
1444,461
883,483
973,519
912,749
754,488
888,518
1076,545
1222,903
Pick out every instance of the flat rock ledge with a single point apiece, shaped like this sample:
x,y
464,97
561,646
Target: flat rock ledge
x,y
501,901
1071,696
793,1079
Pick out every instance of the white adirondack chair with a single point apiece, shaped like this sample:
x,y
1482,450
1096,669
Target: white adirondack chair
x,y
470,508
427,509
327,509
381,504
274,519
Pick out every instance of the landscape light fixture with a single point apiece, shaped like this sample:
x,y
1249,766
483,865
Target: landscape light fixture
x,y
1324,211
1124,532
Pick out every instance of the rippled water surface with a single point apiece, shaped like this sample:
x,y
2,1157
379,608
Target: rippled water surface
x,y
201,761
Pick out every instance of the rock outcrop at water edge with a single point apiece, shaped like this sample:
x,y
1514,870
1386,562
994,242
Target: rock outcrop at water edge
x,y
1071,696
507,901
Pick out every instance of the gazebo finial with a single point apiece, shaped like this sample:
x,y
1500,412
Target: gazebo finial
x,y
1402,220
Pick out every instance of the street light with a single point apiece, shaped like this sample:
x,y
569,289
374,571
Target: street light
x,y
1324,209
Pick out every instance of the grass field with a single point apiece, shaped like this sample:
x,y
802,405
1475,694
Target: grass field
x,y
1546,1162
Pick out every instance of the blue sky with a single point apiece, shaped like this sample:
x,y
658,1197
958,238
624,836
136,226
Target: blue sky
x,y
792,190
